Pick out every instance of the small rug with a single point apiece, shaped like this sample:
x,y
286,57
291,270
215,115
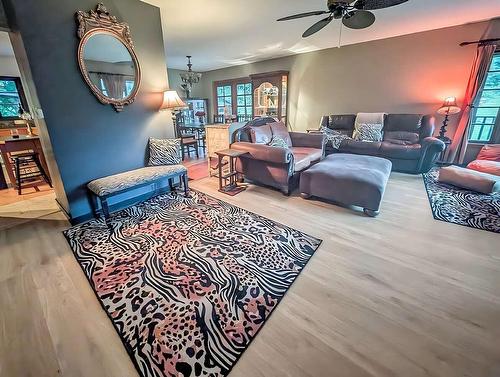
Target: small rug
x,y
460,206
188,282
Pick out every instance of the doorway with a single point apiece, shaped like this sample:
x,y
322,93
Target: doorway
x,y
26,190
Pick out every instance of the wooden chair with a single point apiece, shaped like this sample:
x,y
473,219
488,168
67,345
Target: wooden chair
x,y
188,140
244,118
218,118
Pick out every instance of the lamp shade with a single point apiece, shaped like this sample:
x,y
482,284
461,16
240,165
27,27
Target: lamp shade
x,y
449,107
171,100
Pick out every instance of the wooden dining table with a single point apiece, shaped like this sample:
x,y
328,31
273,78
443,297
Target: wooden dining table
x,y
9,144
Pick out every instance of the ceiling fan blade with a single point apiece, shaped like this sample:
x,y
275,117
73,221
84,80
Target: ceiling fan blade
x,y
317,26
358,19
300,15
377,4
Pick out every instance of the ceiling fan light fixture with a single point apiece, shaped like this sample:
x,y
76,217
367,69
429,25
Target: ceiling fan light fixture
x,y
355,14
358,19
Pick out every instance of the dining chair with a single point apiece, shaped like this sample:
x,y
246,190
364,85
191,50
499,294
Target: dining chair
x,y
188,139
218,118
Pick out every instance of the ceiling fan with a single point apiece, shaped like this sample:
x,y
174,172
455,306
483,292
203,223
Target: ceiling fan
x,y
355,14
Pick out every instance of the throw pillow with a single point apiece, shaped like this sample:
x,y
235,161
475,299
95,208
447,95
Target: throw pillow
x,y
164,152
334,137
370,132
278,142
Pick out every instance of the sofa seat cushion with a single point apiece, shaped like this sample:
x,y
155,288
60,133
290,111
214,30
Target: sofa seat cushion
x,y
261,134
304,157
313,153
279,129
403,152
485,166
401,137
360,147
127,180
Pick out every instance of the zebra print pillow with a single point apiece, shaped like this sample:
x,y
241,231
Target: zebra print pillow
x,y
164,152
368,132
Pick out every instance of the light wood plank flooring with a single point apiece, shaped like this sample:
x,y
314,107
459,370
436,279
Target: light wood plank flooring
x,y
400,295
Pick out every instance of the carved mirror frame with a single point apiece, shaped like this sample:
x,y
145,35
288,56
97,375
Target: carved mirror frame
x,y
99,21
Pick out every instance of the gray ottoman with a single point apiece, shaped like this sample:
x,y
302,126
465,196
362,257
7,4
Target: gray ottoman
x,y
348,179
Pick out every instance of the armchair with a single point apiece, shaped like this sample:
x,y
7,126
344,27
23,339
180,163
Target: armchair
x,y
273,166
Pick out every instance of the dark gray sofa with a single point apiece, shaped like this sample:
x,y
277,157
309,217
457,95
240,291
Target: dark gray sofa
x,y
407,141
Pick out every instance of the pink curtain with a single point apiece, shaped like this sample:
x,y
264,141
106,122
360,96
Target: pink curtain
x,y
477,77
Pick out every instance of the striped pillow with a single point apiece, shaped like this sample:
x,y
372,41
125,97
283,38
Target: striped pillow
x,y
164,152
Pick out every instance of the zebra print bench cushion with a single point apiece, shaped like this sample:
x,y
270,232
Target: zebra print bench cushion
x,y
123,181
164,152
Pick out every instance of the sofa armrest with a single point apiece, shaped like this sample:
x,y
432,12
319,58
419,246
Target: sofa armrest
x,y
431,150
310,140
264,152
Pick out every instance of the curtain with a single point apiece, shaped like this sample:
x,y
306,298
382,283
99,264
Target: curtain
x,y
477,77
114,84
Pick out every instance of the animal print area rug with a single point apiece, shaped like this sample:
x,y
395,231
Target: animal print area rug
x,y
460,206
188,282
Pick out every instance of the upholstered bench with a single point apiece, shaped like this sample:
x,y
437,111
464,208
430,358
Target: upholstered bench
x,y
105,187
348,179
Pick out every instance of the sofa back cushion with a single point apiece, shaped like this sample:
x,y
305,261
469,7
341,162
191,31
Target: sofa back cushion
x,y
279,130
403,122
342,122
261,134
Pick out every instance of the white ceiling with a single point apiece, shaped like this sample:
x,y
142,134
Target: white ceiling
x,y
222,33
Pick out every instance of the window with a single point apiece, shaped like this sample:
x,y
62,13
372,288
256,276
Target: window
x,y
11,97
244,99
485,114
235,95
224,99
129,86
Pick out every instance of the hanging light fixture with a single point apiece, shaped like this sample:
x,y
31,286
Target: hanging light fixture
x,y
189,78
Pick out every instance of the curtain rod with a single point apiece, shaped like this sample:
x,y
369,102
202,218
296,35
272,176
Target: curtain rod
x,y
481,42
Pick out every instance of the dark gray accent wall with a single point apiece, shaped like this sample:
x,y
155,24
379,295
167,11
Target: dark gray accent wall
x,y
91,140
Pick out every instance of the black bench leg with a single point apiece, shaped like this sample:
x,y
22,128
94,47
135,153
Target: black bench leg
x,y
171,184
186,187
105,208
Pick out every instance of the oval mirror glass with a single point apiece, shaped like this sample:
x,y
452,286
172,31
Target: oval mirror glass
x,y
110,66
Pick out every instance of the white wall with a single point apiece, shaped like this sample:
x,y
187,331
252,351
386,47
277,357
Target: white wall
x,y
408,74
8,66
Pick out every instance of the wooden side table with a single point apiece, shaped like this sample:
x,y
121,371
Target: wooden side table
x,y
228,181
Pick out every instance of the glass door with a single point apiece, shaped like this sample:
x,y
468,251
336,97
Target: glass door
x,y
244,108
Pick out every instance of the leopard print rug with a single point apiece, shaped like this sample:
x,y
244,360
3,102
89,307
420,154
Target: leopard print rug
x,y
460,206
188,282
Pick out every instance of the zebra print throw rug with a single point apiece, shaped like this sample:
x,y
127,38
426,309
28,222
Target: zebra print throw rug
x,y
460,206
188,282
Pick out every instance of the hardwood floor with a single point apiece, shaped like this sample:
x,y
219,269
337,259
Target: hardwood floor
x,y
399,295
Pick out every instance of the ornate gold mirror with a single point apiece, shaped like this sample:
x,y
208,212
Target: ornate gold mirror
x,y
106,57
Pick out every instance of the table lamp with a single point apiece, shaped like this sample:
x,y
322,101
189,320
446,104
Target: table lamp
x,y
200,115
448,108
172,101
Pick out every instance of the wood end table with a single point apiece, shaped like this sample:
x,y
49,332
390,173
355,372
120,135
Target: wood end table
x,y
228,182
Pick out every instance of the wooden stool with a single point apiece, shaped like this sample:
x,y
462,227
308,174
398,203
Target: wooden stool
x,y
27,168
228,182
